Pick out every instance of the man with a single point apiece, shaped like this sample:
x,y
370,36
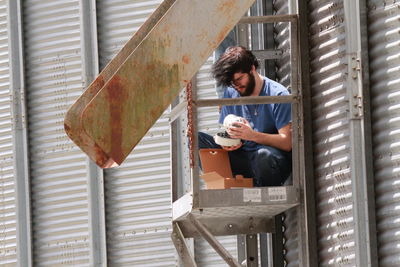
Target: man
x,y
265,150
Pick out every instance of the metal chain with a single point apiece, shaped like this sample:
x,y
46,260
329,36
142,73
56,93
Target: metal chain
x,y
190,133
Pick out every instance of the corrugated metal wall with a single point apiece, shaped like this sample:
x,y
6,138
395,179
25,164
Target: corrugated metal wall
x,y
282,42
8,220
336,243
283,72
138,193
138,209
58,168
384,53
281,37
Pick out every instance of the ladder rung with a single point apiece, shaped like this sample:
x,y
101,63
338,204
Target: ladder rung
x,y
267,54
230,226
246,100
268,19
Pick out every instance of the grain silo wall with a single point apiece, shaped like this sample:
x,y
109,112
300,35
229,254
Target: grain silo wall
x,y
336,243
384,54
63,223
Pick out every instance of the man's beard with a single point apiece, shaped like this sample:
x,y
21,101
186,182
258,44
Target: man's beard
x,y
250,85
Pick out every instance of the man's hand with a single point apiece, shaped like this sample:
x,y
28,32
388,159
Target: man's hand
x,y
241,130
232,148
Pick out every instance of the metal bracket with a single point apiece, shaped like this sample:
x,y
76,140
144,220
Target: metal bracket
x,y
251,250
356,98
180,244
205,233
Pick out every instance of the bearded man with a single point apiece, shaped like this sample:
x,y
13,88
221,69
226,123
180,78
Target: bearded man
x,y
266,140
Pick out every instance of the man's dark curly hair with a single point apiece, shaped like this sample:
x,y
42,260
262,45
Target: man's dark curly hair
x,y
235,59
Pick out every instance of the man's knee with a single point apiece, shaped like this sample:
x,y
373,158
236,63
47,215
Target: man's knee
x,y
206,141
266,158
273,166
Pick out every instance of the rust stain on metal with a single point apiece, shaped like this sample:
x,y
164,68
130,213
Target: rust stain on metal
x,y
98,83
186,59
129,104
73,127
202,35
226,6
117,98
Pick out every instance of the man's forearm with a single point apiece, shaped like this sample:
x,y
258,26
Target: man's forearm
x,y
280,141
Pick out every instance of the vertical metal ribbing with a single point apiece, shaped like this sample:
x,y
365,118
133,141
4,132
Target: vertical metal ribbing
x,y
280,36
360,138
306,210
269,43
53,78
20,143
257,30
384,66
298,145
330,132
97,228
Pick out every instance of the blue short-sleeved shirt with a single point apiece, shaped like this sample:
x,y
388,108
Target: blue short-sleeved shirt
x,y
266,118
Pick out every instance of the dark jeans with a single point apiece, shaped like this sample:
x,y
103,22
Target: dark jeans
x,y
268,166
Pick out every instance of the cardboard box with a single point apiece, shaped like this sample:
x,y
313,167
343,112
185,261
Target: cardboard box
x,y
217,170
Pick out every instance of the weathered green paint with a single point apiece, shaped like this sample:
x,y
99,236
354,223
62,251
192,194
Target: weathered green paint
x,y
140,86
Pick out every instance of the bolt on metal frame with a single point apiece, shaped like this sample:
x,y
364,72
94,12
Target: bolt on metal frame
x,y
227,211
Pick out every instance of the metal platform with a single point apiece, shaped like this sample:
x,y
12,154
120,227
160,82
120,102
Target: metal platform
x,y
234,211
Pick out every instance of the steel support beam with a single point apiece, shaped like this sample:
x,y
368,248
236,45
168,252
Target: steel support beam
x,y
277,240
231,261
246,100
252,250
90,68
19,131
266,246
181,247
306,215
362,179
269,41
241,247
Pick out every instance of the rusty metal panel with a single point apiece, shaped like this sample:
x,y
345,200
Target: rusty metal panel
x,y
53,65
113,120
328,61
8,216
384,54
137,194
